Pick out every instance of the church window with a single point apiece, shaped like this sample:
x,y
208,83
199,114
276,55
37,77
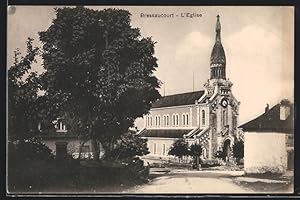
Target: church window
x,y
167,120
158,120
204,153
150,121
187,119
224,117
174,120
203,117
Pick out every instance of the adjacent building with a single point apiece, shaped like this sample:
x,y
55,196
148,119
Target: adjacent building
x,y
208,117
269,140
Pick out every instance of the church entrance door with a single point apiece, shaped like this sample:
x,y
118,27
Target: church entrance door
x,y
227,150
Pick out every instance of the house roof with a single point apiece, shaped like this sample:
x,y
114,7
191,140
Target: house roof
x,y
178,99
165,133
270,122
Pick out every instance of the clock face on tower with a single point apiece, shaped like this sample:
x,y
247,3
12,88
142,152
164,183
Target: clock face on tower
x,y
224,103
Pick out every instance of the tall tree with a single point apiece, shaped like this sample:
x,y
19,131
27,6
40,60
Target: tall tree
x,y
23,87
99,70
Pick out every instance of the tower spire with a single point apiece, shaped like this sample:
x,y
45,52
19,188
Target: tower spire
x,y
218,29
217,58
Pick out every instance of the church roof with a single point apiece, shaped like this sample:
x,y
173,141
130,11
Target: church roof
x,y
178,99
165,133
270,122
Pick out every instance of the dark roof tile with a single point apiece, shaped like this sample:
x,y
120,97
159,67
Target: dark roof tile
x,y
165,133
178,99
270,122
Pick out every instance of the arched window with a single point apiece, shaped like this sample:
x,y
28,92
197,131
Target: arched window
x,y
174,120
167,120
158,120
204,153
147,121
150,121
187,119
183,119
203,117
224,116
177,120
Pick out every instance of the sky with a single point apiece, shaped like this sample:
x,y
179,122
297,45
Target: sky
x,y
258,44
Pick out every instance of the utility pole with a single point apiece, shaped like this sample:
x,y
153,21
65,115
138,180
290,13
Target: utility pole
x,y
193,83
164,89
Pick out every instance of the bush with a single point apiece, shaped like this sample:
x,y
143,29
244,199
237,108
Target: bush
x,y
31,149
209,163
179,149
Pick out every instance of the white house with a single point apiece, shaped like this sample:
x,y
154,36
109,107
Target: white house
x,y
269,140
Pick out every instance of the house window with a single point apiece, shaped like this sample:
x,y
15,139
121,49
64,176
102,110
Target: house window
x,y
61,127
203,117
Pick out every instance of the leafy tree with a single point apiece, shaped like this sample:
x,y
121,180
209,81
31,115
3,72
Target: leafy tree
x,y
195,151
129,146
238,150
220,154
99,71
23,87
179,149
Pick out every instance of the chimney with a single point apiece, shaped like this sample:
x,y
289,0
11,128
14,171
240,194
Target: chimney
x,y
267,108
284,109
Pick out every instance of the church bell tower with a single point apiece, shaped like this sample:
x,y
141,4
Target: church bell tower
x,y
223,106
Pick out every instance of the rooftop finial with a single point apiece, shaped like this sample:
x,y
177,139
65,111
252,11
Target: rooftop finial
x,y
218,25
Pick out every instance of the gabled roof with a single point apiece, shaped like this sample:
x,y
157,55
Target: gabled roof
x,y
178,99
164,133
270,122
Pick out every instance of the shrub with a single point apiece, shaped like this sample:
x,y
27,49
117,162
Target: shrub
x,y
179,149
129,146
238,150
31,149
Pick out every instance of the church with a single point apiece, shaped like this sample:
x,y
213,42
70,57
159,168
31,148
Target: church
x,y
208,117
